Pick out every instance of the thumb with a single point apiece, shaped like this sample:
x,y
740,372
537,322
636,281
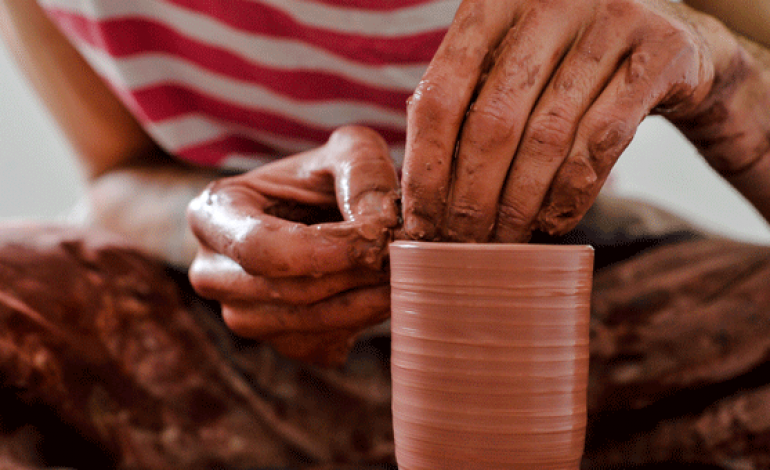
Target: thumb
x,y
366,182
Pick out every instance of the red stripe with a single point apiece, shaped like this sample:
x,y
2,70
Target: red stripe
x,y
212,153
259,20
373,5
171,101
128,37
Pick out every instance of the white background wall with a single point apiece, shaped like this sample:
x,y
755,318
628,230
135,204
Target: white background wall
x,y
38,174
39,178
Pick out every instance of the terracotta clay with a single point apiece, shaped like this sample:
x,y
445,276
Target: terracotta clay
x,y
489,354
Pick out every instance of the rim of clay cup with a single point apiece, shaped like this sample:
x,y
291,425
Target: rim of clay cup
x,y
414,244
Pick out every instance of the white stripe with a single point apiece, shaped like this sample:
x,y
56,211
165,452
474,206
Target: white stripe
x,y
416,19
159,69
191,131
249,162
243,163
276,53
410,20
175,135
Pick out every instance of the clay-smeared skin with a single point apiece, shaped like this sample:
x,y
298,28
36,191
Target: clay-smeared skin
x,y
489,355
305,286
528,104
732,127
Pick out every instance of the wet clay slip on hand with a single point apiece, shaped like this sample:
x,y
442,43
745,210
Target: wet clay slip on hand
x,y
489,355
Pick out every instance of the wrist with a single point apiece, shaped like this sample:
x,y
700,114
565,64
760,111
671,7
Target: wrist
x,y
147,206
730,125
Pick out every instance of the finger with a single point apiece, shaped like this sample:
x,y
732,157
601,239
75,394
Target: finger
x,y
551,128
645,79
217,277
229,218
353,168
351,310
495,122
437,108
365,179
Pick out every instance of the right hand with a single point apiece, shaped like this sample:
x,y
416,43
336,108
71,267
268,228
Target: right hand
x,y
295,250
528,104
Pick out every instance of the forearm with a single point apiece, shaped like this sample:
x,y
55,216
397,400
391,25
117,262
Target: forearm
x,y
748,17
102,132
135,188
147,206
754,179
731,128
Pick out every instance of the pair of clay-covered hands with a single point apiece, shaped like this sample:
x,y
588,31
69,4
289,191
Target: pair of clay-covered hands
x,y
515,126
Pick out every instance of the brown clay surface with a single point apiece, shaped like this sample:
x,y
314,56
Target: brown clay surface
x,y
489,355
108,362
680,359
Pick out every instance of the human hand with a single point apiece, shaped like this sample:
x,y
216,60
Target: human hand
x,y
295,250
527,105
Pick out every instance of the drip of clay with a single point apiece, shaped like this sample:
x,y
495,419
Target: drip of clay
x,y
489,355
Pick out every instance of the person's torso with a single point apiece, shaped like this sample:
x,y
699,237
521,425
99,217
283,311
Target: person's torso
x,y
236,83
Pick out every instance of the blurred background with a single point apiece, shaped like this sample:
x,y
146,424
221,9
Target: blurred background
x,y
39,178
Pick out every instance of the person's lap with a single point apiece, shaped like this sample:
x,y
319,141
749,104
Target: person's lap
x,y
116,347
110,350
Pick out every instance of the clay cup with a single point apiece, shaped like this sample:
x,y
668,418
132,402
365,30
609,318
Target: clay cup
x,y
489,355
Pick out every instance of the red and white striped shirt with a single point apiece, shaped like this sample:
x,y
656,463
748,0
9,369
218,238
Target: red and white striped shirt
x,y
236,83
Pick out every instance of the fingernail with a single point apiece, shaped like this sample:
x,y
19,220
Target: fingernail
x,y
379,205
418,228
372,231
369,253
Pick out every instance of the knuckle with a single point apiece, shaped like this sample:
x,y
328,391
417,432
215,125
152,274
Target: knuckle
x,y
467,222
575,188
432,100
557,222
570,82
682,44
637,73
689,54
608,142
358,137
576,182
513,217
623,8
678,39
492,120
466,210
551,134
558,219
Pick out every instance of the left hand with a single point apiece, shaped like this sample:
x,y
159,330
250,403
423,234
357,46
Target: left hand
x,y
527,105
295,250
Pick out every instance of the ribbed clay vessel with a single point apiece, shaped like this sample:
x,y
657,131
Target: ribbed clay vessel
x,y
489,355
